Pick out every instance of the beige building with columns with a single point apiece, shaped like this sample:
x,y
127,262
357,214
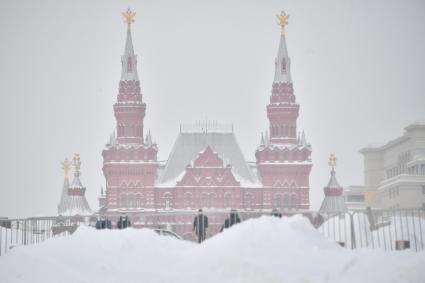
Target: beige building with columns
x,y
395,171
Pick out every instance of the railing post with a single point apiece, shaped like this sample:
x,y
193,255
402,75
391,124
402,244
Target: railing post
x,y
353,233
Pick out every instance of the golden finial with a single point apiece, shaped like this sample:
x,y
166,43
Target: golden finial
x,y
129,17
77,163
65,167
332,161
283,21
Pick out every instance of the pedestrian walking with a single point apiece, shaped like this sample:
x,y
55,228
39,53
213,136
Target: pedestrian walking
x,y
200,225
232,220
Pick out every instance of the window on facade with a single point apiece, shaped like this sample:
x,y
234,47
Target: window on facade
x,y
283,66
129,65
167,200
139,201
286,201
131,201
278,201
204,200
423,190
123,200
227,200
423,169
248,201
355,198
188,200
211,199
294,201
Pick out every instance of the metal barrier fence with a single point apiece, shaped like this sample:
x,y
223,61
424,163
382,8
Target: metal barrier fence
x,y
384,229
28,231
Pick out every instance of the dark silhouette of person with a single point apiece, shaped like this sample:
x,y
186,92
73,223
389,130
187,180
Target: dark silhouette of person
x,y
123,222
232,220
200,225
276,213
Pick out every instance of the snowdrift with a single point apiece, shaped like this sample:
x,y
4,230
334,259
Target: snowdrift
x,y
258,250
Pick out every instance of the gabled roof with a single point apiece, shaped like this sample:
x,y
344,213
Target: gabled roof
x,y
189,144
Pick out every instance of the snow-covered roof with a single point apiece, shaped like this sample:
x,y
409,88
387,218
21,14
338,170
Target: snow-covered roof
x,y
189,144
333,182
333,204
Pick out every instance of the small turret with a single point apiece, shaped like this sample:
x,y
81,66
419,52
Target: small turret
x,y
334,201
74,202
262,142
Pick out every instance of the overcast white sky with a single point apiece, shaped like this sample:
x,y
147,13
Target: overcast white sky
x,y
357,67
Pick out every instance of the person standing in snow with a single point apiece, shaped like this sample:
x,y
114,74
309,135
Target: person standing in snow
x,y
276,213
232,220
200,225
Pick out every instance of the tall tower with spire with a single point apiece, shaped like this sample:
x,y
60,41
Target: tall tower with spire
x,y
283,157
129,162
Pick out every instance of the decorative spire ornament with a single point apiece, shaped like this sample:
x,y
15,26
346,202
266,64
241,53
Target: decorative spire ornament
x,y
77,163
65,167
128,18
332,161
283,21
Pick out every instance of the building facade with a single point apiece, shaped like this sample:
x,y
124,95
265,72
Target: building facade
x,y
206,168
395,171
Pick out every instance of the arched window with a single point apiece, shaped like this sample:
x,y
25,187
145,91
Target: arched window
x,y
123,200
204,200
283,66
129,65
286,201
211,199
139,200
294,201
227,200
278,201
248,199
167,200
131,201
188,200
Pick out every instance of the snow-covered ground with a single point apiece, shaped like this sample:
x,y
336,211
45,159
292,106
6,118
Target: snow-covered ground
x,y
258,250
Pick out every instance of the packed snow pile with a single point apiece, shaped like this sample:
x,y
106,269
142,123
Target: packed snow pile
x,y
258,250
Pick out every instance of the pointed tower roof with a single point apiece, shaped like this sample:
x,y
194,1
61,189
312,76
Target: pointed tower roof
x,y
262,143
64,196
129,59
334,201
303,139
282,63
148,139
